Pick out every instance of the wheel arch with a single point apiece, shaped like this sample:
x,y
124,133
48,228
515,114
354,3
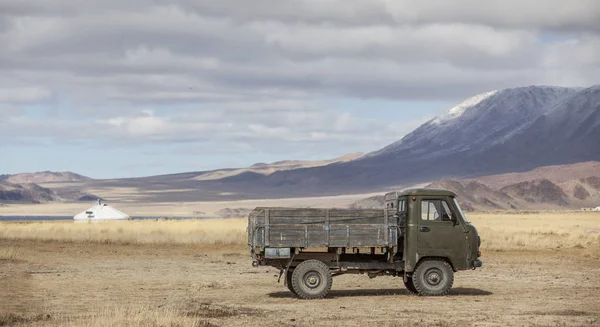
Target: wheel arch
x,y
447,259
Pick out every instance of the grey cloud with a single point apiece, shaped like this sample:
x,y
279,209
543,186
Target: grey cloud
x,y
200,66
555,15
255,54
25,94
275,131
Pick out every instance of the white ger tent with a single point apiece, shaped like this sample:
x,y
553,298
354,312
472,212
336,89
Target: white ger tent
x,y
101,211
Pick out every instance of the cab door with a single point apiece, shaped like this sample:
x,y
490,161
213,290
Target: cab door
x,y
440,233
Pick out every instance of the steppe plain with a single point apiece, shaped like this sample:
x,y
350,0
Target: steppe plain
x,y
541,269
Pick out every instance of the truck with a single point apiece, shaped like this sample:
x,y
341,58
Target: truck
x,y
421,235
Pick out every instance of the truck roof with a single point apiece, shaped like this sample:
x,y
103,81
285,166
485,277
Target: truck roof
x,y
420,191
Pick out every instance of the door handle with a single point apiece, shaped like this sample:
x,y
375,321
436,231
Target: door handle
x,y
424,229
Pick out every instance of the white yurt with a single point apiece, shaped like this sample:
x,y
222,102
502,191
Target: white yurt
x,y
100,212
596,208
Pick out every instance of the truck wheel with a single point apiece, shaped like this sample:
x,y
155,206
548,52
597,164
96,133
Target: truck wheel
x,y
311,279
410,286
288,280
433,277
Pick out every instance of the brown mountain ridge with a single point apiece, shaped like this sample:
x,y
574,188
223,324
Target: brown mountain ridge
x,y
553,187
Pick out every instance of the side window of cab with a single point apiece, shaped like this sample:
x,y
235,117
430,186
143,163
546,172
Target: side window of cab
x,y
435,210
402,205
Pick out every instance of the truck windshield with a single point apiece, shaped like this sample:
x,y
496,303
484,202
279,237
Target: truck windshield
x,y
460,210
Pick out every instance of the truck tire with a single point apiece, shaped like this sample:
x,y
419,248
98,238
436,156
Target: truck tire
x,y
288,280
433,277
410,286
311,279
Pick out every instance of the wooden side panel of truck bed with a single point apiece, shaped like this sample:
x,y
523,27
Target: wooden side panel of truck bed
x,y
287,227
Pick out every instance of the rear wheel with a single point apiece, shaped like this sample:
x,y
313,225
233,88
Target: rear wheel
x,y
410,286
433,277
311,279
288,281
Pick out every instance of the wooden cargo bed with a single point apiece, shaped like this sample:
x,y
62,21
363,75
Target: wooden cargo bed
x,y
301,228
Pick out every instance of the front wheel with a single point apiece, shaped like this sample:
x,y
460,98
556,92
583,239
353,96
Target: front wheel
x,y
311,279
433,277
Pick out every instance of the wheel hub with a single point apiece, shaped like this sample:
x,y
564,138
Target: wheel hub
x,y
312,279
433,277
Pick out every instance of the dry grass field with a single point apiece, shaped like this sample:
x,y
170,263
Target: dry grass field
x,y
130,204
164,232
541,269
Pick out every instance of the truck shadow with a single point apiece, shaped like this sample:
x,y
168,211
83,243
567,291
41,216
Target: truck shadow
x,y
459,291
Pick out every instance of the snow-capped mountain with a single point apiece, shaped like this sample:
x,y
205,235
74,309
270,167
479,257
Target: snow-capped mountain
x,y
481,121
568,132
510,130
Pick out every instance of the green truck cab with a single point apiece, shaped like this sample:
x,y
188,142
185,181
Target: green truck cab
x,y
422,236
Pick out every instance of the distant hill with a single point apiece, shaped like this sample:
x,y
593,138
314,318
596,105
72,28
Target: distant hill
x,y
556,173
34,193
373,202
553,187
43,177
265,169
25,193
25,188
474,195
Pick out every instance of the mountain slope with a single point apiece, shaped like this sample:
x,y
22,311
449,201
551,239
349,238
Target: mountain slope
x,y
479,122
270,168
553,187
25,193
43,177
568,133
511,130
473,194
537,191
584,171
34,193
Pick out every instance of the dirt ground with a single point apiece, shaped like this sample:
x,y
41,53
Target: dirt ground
x,y
62,283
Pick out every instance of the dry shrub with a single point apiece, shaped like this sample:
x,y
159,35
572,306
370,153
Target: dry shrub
x,y
10,254
207,231
542,230
198,308
12,319
567,312
211,285
137,317
427,323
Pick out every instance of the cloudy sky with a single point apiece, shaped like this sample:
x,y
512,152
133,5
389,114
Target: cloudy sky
x,y
119,88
